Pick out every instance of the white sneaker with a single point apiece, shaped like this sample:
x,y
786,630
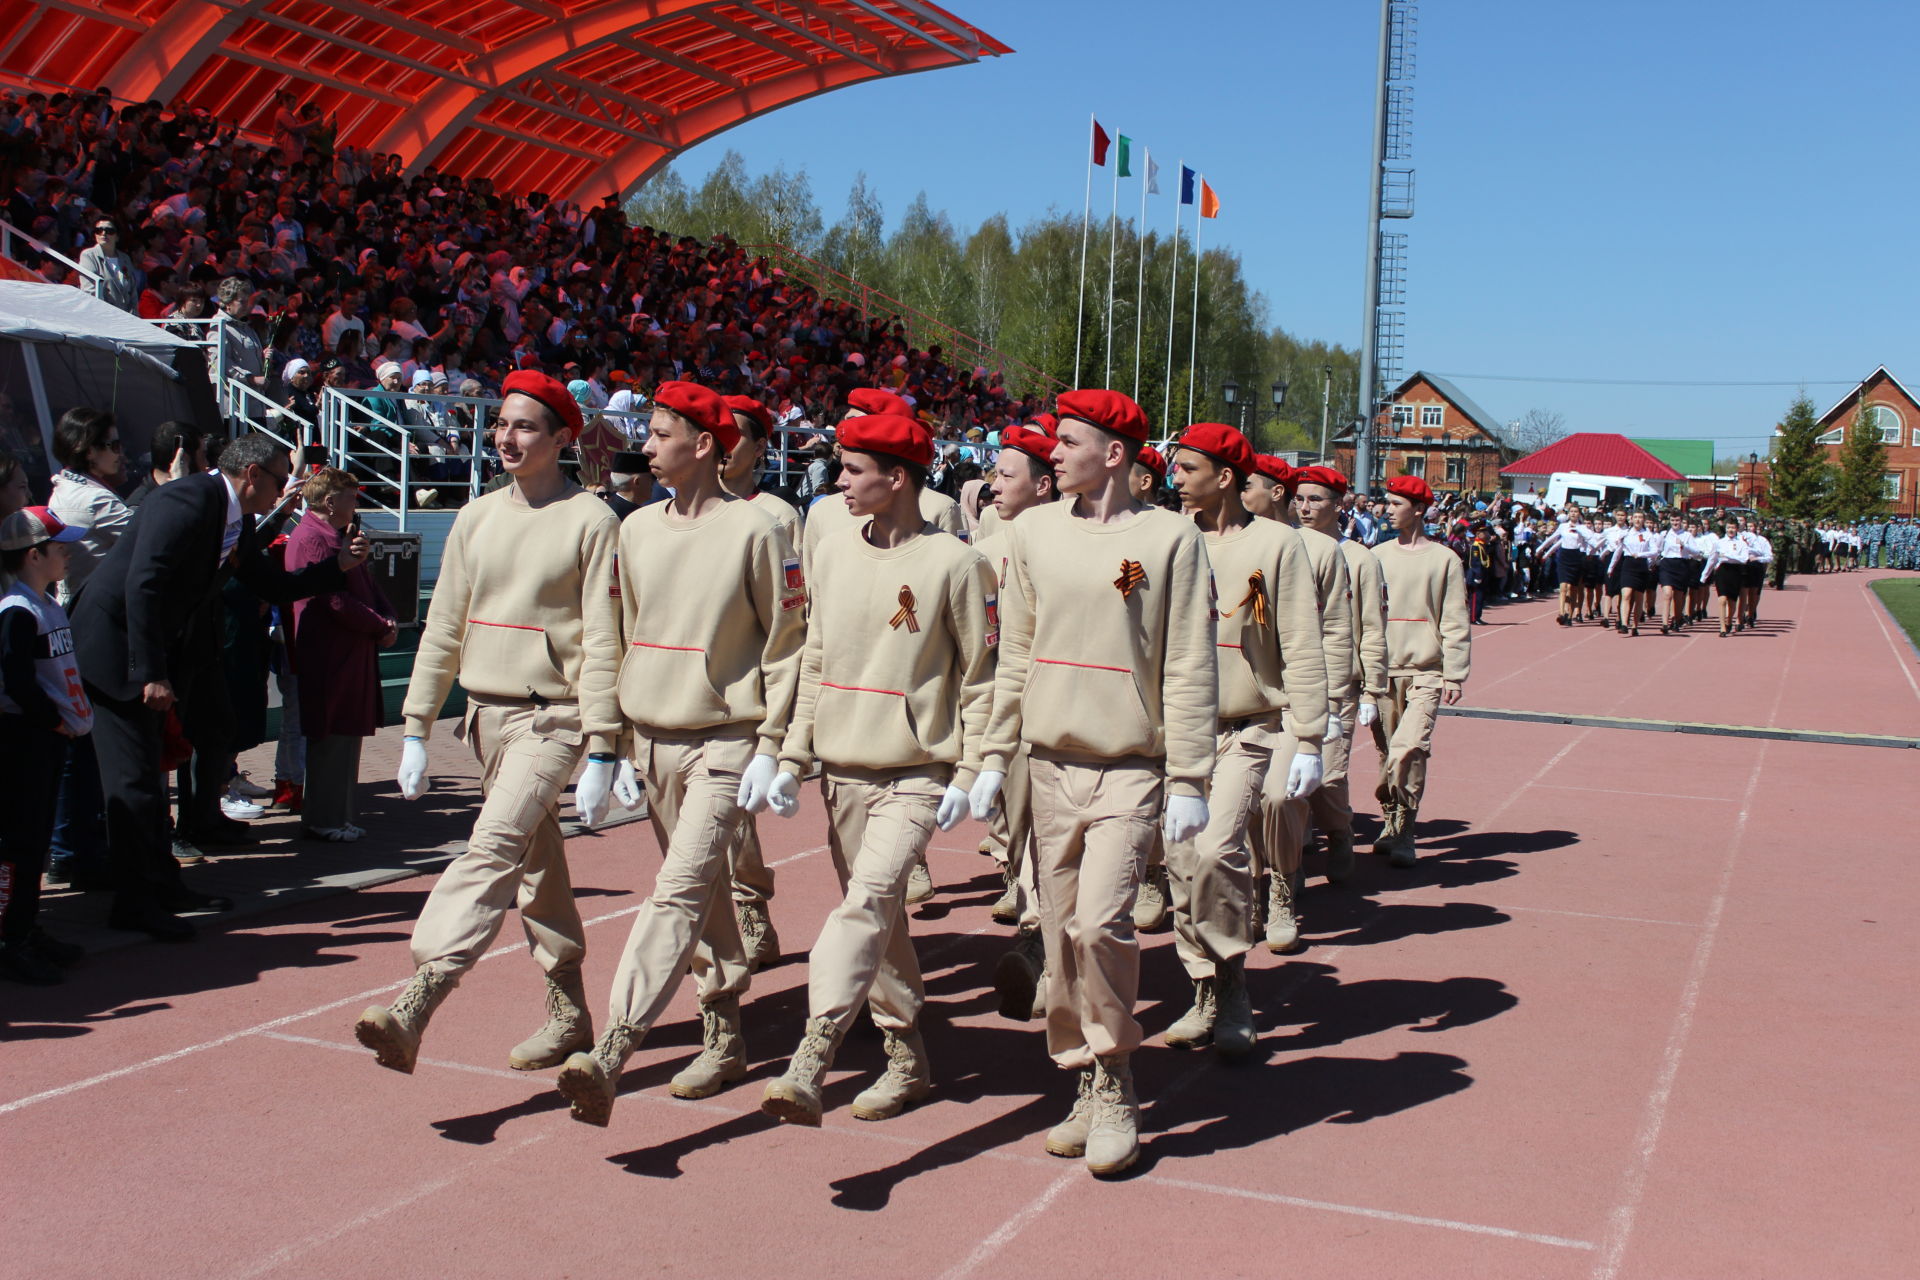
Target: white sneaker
x,y
247,789
240,810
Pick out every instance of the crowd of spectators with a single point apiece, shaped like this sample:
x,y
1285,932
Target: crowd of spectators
x,y
341,269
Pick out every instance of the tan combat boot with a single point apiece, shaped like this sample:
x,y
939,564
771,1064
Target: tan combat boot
x,y
1233,1032
1150,904
919,884
1283,927
1113,1136
1007,909
758,938
907,1079
569,1026
1018,976
1392,818
795,1097
1069,1137
1402,853
590,1080
393,1032
722,1060
1195,1027
1339,856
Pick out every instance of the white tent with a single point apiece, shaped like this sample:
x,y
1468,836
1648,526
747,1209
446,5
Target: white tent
x,y
61,348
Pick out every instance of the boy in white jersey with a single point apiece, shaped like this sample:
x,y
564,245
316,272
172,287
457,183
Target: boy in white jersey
x,y
895,686
1107,673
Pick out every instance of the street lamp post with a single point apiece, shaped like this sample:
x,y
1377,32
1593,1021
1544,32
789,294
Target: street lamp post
x,y
1230,392
1326,406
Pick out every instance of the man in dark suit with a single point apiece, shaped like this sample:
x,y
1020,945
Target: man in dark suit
x,y
132,626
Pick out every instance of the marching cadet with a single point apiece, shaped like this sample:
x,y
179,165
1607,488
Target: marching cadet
x,y
714,609
1612,566
1022,479
524,616
1569,552
1148,478
1726,568
740,476
1282,833
895,686
1759,564
1428,656
1147,481
1316,498
1699,548
1107,673
1635,553
1266,493
1273,710
1672,548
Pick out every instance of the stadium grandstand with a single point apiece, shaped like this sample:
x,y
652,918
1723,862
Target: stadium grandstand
x,y
365,215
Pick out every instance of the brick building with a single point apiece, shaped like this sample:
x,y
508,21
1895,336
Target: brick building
x,y
1894,411
1435,431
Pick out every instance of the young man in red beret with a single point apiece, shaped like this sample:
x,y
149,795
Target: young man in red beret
x,y
895,686
1273,711
1316,499
1022,479
1147,481
524,616
1148,478
752,882
1429,650
1266,491
1107,674
713,620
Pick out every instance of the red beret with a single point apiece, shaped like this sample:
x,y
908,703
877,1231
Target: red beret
x,y
1108,409
703,407
874,400
1035,444
1412,488
891,433
1149,457
1274,468
753,409
553,394
1326,477
1221,443
1046,422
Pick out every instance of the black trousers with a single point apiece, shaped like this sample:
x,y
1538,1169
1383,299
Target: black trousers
x,y
206,717
128,740
30,759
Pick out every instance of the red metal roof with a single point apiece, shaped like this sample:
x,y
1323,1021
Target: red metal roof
x,y
577,98
1594,453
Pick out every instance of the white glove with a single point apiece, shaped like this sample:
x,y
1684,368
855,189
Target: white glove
x,y
755,781
593,793
413,769
953,807
986,789
783,797
626,786
1368,714
1186,818
1334,727
1304,775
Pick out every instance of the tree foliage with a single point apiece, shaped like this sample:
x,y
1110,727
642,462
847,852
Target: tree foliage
x,y
1015,288
1801,477
1859,490
1538,429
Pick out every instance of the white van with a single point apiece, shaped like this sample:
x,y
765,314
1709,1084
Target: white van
x,y
1606,492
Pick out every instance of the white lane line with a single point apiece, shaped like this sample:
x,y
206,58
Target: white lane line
x,y
518,1077
804,853
273,1024
1388,1215
1003,1234
1650,795
1878,609
1595,915
280,1257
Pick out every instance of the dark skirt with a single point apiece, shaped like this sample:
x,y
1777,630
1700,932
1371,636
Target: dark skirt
x,y
1635,574
1595,571
1729,579
1756,575
1678,571
1569,563
1616,576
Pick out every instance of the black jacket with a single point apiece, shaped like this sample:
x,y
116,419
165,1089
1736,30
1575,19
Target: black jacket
x,y
132,621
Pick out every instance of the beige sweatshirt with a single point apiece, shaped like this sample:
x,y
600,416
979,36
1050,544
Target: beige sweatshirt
x,y
990,522
1268,636
898,665
1369,619
1089,672
524,609
831,514
1427,627
783,514
1336,606
714,615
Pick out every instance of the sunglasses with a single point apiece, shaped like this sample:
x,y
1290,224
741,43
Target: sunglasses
x,y
112,444
104,231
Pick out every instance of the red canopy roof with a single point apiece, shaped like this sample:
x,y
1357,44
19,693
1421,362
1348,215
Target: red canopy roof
x,y
578,98
1594,453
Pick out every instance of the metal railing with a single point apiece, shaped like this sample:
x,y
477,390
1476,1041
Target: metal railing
x,y
1020,375
12,237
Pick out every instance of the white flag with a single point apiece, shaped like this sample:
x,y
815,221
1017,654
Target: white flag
x,y
1153,175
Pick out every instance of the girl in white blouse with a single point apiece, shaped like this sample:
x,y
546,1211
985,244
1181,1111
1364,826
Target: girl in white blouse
x,y
1727,567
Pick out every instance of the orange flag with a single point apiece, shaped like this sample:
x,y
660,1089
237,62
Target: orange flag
x,y
1209,202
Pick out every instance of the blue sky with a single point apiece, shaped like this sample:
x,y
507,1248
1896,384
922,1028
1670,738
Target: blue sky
x,y
1691,191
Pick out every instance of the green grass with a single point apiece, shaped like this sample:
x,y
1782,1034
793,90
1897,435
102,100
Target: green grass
x,y
1902,598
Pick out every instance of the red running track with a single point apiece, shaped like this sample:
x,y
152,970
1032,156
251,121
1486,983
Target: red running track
x,y
1644,1009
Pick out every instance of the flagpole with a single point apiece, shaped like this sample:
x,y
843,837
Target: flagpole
x,y
1193,338
1113,229
1140,279
1086,221
1173,297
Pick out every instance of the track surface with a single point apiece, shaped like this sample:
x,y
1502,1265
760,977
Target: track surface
x,y
1643,1009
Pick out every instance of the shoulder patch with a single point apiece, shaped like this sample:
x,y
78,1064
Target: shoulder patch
x,y
790,571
